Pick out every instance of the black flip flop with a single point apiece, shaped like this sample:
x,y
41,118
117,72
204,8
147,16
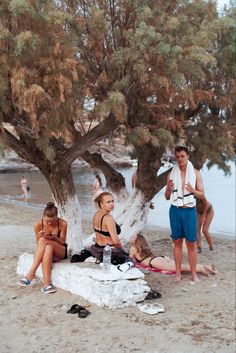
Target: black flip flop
x,y
153,295
74,309
83,313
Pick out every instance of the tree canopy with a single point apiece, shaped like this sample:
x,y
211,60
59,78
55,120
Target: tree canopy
x,y
72,71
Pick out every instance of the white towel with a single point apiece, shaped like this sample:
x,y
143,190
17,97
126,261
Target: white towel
x,y
178,198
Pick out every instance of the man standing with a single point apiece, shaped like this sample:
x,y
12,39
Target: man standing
x,y
184,185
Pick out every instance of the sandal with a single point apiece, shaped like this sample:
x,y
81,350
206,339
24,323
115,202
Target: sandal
x,y
83,313
24,282
74,309
151,309
80,310
125,267
153,295
48,289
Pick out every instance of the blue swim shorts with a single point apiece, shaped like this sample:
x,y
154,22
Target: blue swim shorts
x,y
183,223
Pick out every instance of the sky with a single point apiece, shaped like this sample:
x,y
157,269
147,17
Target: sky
x,y
221,3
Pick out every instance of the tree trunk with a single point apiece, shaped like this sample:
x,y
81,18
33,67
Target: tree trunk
x,y
131,215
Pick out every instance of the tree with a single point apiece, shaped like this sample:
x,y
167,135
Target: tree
x,y
151,66
42,93
164,59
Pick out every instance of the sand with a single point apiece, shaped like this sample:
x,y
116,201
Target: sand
x,y
197,318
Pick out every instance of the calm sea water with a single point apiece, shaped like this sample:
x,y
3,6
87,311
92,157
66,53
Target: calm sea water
x,y
220,191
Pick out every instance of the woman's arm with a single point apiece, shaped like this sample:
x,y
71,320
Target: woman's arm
x,y
132,252
110,223
205,207
38,230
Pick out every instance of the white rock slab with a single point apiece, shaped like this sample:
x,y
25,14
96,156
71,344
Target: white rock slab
x,y
114,289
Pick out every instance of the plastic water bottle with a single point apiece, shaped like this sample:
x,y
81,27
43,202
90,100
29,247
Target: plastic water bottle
x,y
106,261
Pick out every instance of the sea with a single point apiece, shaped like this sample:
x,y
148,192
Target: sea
x,y
219,190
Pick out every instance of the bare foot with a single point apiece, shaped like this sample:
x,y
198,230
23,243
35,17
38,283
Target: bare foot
x,y
210,269
30,276
195,279
177,278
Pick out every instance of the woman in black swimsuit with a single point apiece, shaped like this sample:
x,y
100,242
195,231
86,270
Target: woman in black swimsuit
x,y
50,232
107,230
205,214
141,252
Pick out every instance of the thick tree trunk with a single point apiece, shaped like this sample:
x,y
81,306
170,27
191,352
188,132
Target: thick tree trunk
x,y
149,162
131,214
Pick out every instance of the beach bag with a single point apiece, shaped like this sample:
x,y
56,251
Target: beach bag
x,y
81,257
119,257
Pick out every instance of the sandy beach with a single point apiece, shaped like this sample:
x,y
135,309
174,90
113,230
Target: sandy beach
x,y
198,318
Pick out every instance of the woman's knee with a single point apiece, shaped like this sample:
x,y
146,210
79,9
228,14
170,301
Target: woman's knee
x,y
41,241
205,228
48,249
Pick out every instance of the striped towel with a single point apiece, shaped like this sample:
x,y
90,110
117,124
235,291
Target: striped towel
x,y
180,197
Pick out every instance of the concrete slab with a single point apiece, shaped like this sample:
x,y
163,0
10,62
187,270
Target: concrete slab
x,y
114,289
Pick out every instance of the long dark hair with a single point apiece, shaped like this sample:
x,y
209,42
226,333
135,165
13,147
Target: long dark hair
x,y
143,249
99,179
50,210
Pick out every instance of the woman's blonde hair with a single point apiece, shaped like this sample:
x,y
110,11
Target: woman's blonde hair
x,y
100,197
142,246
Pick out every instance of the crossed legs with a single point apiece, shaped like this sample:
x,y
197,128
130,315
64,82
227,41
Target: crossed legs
x,y
44,254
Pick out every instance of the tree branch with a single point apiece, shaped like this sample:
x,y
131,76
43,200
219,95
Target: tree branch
x,y
23,150
114,180
93,136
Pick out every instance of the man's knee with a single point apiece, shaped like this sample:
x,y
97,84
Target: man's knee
x,y
190,245
178,243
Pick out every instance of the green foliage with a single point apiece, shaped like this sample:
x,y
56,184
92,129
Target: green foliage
x,y
117,105
154,141
163,48
21,7
25,41
164,69
164,137
140,136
